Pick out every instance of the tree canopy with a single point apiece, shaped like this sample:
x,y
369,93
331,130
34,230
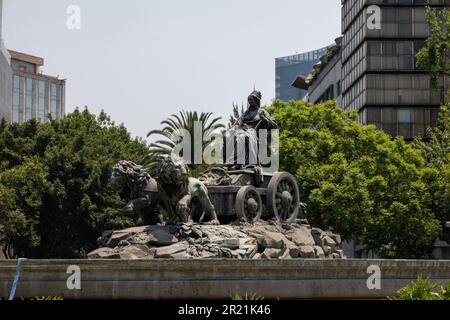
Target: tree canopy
x,y
54,183
434,57
357,180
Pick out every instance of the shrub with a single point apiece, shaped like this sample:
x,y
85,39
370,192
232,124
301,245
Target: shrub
x,y
422,289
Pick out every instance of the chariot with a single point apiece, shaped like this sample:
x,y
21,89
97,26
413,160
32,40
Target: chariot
x,y
250,194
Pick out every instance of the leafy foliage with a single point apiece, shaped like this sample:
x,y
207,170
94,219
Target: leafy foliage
x,y
54,183
434,56
436,153
423,290
356,180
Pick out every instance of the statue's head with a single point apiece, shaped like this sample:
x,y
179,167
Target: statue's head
x,y
128,175
254,99
172,170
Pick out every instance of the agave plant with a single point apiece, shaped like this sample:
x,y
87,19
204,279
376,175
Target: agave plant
x,y
172,131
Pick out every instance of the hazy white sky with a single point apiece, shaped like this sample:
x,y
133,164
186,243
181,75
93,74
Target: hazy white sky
x,y
143,60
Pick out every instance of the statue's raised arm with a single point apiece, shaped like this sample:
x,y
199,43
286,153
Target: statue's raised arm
x,y
267,122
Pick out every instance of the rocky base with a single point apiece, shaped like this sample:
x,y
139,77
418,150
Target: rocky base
x,y
262,240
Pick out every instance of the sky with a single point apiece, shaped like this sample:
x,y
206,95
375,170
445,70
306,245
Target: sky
x,y
142,60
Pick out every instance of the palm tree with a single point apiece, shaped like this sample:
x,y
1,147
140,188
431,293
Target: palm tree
x,y
236,115
172,133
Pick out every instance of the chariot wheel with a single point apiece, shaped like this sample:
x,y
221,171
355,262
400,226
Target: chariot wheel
x,y
248,204
283,197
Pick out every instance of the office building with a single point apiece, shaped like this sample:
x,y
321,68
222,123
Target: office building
x,y
5,77
288,68
25,92
380,78
324,81
35,95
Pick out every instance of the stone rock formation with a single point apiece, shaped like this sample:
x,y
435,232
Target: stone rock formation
x,y
239,240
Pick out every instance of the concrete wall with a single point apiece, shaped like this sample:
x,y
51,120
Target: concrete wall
x,y
211,279
441,250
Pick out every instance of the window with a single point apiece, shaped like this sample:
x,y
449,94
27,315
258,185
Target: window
x,y
42,108
374,62
404,81
374,116
389,121
54,101
405,47
389,115
421,29
406,122
389,29
419,122
390,81
404,116
62,104
389,63
405,50
374,48
389,15
16,99
390,96
406,62
389,48
405,15
29,106
375,81
434,114
420,15
421,89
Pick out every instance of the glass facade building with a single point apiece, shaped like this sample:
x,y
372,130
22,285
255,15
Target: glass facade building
x,y
289,67
379,74
35,95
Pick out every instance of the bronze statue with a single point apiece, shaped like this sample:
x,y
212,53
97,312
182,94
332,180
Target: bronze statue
x,y
170,198
139,189
243,138
183,198
255,117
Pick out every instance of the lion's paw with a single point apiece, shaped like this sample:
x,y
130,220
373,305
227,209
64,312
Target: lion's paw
x,y
214,222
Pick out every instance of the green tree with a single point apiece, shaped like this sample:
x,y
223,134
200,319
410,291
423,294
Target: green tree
x,y
20,192
60,173
434,56
356,179
436,152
